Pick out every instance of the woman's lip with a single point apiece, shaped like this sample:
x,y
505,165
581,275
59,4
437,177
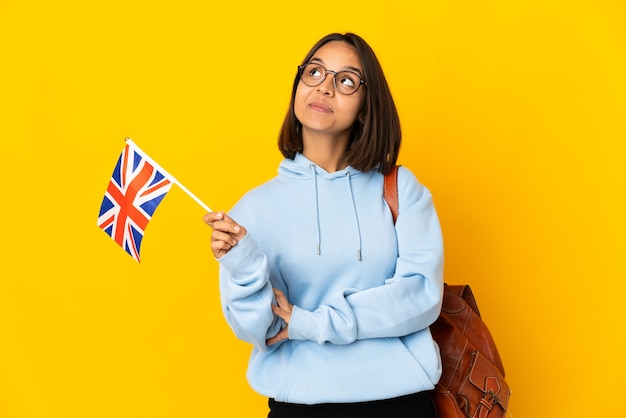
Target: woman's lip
x,y
320,107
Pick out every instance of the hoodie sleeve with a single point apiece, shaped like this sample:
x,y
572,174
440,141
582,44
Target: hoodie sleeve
x,y
246,293
408,302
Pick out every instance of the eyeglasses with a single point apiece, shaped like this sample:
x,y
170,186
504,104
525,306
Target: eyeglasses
x,y
345,82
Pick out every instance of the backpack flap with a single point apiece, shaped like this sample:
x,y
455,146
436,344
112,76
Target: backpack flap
x,y
485,394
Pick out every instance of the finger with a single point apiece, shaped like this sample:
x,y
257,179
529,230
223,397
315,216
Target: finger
x,y
278,294
281,300
212,217
281,313
220,248
219,220
222,222
226,226
283,334
223,236
230,227
234,226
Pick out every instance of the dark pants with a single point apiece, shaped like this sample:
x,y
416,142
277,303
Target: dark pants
x,y
419,405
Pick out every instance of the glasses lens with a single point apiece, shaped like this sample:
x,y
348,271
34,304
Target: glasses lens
x,y
347,82
313,74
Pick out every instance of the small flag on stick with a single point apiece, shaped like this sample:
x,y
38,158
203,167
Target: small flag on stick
x,y
137,187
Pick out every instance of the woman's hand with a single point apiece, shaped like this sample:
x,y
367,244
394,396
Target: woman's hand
x,y
283,310
226,232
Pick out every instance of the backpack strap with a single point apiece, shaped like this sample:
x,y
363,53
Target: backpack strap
x,y
464,291
390,191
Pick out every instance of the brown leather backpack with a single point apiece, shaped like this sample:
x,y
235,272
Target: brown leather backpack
x,y
472,384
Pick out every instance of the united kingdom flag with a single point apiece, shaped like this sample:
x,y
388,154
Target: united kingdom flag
x,y
134,192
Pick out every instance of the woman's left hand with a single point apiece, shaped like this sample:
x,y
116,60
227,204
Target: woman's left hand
x,y
283,310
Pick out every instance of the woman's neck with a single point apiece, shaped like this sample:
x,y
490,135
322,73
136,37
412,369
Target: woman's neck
x,y
326,152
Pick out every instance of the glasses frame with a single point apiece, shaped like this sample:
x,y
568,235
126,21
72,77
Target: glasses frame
x,y
334,73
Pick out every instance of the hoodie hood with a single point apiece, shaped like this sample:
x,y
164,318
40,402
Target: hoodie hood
x,y
300,167
303,168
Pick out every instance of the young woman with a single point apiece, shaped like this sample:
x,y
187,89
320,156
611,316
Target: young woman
x,y
335,299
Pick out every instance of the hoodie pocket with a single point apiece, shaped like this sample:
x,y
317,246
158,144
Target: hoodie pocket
x,y
421,350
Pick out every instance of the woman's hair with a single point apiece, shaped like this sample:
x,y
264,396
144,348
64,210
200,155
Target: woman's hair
x,y
375,137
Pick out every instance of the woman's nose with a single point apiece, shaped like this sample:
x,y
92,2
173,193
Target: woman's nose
x,y
327,86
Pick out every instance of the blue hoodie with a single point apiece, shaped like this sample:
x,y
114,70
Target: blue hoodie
x,y
364,292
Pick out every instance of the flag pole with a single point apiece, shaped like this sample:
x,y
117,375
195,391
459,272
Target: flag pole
x,y
151,161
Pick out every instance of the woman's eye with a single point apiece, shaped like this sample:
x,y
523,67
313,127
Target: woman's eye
x,y
315,72
349,81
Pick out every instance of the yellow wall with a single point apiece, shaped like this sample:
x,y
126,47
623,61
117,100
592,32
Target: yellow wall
x,y
513,114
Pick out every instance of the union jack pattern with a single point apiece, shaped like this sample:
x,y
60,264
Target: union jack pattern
x,y
133,194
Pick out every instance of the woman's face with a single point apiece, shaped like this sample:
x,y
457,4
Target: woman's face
x,y
321,109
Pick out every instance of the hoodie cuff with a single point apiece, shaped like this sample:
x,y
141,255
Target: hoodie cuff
x,y
243,260
302,324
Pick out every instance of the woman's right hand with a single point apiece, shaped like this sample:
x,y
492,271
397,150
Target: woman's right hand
x,y
226,232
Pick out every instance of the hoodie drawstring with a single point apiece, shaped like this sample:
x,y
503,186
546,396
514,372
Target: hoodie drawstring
x,y
356,218
312,167
317,210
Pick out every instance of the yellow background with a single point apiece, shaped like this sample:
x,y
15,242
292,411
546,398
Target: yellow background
x,y
513,115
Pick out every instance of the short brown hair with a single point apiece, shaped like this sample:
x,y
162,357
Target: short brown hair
x,y
374,142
